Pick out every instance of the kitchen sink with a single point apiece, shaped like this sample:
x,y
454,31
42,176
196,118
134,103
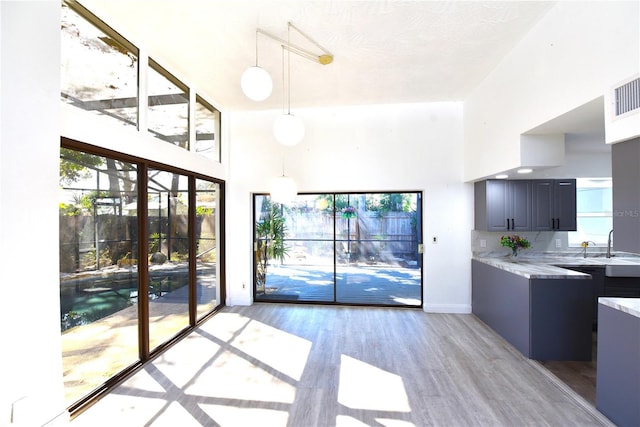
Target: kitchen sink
x,y
622,270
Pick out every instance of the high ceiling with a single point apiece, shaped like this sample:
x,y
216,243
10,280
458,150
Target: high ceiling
x,y
385,51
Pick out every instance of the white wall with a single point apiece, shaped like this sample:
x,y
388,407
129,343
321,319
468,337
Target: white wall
x,y
573,55
375,148
31,367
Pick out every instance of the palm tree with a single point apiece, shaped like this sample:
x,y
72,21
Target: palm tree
x,y
270,244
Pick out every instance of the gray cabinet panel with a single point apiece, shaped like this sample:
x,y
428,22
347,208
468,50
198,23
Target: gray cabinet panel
x,y
542,205
553,204
502,205
564,204
625,157
519,203
501,300
618,370
545,319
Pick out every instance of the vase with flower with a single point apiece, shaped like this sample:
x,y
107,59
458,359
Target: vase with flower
x,y
514,242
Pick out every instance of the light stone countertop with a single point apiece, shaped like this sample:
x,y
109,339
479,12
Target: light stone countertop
x,y
550,265
627,305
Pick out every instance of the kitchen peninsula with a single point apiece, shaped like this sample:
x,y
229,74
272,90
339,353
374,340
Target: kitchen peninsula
x,y
542,310
545,304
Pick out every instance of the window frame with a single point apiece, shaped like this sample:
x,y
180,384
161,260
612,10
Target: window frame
x,y
145,353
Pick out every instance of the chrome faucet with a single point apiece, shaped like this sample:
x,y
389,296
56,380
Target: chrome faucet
x,y
609,244
585,245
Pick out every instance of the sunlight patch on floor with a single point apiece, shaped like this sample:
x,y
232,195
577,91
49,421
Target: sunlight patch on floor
x,y
363,386
241,416
286,353
233,376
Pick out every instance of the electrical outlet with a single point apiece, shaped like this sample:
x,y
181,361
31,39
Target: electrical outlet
x,y
558,243
483,243
244,285
434,239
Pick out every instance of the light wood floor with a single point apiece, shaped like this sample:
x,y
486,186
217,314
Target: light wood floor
x,y
290,365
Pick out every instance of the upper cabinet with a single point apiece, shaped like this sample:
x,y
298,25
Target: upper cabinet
x,y
525,205
625,157
553,205
502,205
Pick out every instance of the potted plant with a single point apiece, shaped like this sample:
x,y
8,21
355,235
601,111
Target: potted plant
x,y
514,242
270,244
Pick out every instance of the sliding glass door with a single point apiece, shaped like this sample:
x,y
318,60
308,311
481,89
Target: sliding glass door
x,y
360,248
139,251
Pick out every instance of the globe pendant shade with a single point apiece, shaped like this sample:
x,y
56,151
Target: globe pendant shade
x,y
283,190
256,83
288,129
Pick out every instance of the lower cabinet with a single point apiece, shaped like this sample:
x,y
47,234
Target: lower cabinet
x,y
597,285
618,370
545,319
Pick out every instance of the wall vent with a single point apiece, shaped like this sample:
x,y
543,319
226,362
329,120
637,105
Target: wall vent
x,y
627,97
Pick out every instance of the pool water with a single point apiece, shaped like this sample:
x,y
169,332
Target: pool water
x,y
87,299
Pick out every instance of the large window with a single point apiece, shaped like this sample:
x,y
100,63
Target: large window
x,y
594,205
99,68
207,122
168,113
98,269
121,300
360,248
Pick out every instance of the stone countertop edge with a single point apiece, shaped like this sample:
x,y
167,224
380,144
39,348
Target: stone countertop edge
x,y
532,270
627,305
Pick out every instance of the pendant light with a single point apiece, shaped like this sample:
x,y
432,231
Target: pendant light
x,y
256,82
283,189
288,129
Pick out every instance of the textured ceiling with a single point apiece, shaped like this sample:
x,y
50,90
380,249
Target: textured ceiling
x,y
385,51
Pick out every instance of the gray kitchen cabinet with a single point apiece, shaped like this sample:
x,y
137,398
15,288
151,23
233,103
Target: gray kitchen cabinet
x,y
625,162
545,319
502,205
597,284
553,205
618,371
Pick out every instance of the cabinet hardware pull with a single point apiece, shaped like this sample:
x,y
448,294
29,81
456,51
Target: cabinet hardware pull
x,y
508,224
558,224
513,225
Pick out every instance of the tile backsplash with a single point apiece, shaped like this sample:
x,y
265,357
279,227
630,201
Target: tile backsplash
x,y
541,241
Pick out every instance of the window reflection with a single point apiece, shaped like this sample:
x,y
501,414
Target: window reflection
x,y
168,243
98,269
168,113
207,285
207,123
99,69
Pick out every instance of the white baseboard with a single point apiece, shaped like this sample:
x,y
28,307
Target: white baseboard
x,y
448,308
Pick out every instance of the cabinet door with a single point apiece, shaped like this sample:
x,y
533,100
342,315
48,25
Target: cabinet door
x,y
542,204
497,205
564,213
519,205
625,158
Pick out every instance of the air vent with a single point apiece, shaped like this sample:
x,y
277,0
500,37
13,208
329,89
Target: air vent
x,y
627,97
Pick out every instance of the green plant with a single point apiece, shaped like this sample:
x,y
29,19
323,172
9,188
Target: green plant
x,y
270,243
203,211
515,242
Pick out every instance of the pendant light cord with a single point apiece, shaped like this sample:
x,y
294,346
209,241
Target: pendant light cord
x,y
284,93
289,66
256,47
